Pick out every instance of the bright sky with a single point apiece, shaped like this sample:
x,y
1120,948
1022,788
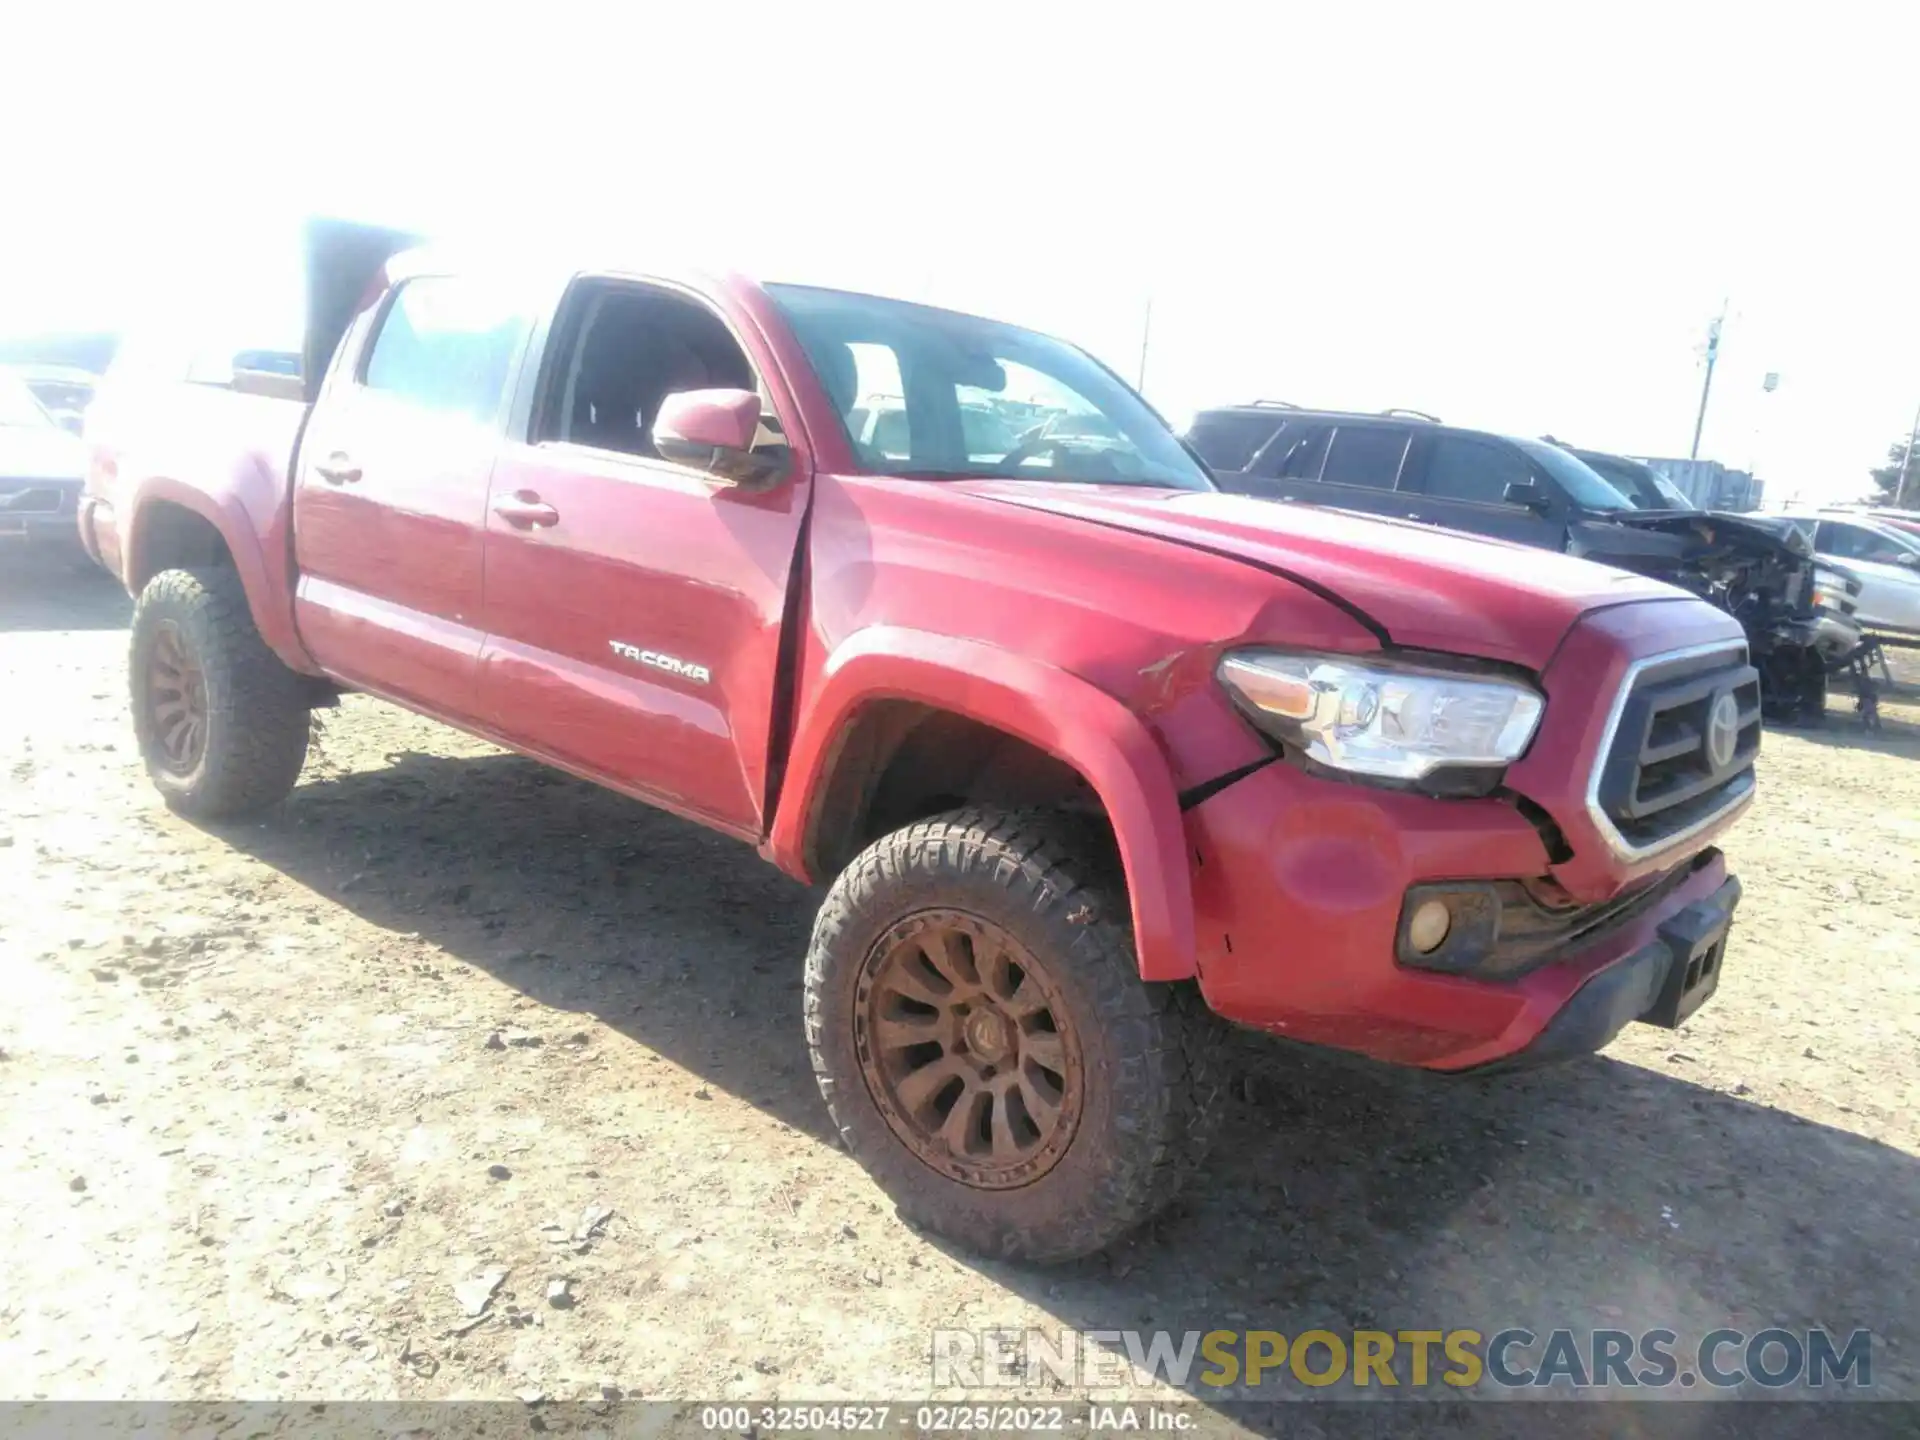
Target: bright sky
x,y
1517,217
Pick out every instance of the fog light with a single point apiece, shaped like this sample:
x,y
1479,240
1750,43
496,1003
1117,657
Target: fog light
x,y
1427,930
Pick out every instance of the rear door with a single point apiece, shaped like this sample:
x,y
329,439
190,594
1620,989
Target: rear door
x,y
1460,481
390,499
634,607
1351,464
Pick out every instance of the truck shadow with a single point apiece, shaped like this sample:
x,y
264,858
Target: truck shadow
x,y
1343,1195
1899,711
41,592
1845,728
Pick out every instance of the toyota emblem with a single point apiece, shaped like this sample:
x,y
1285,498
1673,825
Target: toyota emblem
x,y
1723,730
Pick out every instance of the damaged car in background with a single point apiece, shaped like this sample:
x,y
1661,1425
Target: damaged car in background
x,y
1752,569
42,469
1537,492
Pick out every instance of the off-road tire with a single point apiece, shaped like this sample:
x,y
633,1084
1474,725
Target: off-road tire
x,y
257,719
1150,1067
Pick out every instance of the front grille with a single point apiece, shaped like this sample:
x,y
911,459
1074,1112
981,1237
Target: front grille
x,y
32,500
1683,746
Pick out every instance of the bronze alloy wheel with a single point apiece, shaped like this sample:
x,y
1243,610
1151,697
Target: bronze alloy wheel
x,y
964,1043
177,697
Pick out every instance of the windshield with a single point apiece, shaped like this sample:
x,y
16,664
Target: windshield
x,y
1894,537
1583,485
1646,487
932,393
1674,495
17,405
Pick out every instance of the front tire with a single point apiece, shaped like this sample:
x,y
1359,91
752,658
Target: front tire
x,y
222,723
986,1047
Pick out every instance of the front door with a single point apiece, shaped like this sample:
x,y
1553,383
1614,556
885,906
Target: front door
x,y
390,500
1461,481
634,606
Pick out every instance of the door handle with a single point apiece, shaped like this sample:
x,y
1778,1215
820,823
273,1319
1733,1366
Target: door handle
x,y
525,510
337,469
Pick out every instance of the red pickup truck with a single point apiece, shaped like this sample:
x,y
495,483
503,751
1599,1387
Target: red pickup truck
x,y
1085,751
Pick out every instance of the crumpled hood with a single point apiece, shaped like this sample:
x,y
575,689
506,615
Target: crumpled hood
x,y
1424,587
1711,527
40,453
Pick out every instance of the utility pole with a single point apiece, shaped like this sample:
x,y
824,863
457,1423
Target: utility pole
x,y
1906,464
1146,334
1706,389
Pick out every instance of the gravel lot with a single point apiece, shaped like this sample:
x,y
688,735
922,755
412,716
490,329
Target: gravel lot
x,y
273,1099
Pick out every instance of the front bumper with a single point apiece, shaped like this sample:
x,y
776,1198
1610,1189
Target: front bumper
x,y
1299,887
1661,982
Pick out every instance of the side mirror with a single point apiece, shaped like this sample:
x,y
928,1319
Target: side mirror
x,y
1908,559
713,431
1526,493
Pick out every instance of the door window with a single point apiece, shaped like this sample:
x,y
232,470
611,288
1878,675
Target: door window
x,y
1365,455
621,350
446,344
1462,468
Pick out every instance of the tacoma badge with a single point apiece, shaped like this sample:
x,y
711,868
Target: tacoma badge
x,y
685,669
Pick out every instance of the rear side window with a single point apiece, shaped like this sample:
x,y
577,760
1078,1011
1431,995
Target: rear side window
x,y
446,344
1228,439
1365,455
1294,454
1462,468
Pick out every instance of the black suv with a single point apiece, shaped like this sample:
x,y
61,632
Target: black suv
x,y
1407,464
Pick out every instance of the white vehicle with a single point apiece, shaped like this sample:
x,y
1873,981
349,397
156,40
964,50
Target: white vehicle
x,y
1886,560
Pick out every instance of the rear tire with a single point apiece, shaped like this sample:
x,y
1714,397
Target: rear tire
x,y
222,723
1115,1078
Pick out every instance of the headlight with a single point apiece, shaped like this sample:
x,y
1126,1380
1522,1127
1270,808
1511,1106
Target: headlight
x,y
1829,590
1382,718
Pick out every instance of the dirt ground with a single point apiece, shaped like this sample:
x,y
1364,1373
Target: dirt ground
x,y
323,1106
